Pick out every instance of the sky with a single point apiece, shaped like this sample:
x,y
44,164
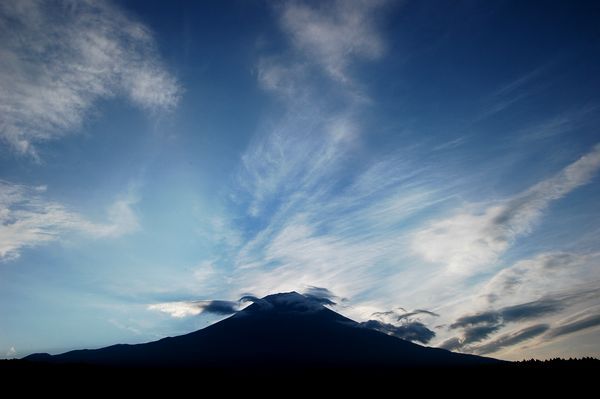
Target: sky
x,y
429,169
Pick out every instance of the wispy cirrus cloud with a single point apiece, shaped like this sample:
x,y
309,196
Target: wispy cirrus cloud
x,y
27,219
57,58
307,220
479,234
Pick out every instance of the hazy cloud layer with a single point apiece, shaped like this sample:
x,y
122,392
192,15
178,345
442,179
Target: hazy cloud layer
x,y
57,58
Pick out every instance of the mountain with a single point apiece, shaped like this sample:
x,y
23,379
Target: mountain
x,y
280,331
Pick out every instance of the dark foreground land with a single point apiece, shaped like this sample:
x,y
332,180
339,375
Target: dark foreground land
x,y
572,377
583,365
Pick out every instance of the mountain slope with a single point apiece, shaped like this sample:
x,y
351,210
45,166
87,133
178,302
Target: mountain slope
x,y
282,330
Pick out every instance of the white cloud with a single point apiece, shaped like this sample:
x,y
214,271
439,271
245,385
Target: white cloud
x,y
334,33
11,353
27,219
478,235
178,310
58,58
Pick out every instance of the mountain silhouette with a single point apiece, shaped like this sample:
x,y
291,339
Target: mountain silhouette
x,y
279,331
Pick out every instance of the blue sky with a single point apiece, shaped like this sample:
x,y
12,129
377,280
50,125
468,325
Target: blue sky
x,y
405,156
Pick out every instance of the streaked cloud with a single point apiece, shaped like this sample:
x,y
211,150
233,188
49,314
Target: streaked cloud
x,y
480,326
476,236
28,219
513,338
572,327
524,311
58,58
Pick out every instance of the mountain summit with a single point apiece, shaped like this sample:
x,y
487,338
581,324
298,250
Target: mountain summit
x,y
279,331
